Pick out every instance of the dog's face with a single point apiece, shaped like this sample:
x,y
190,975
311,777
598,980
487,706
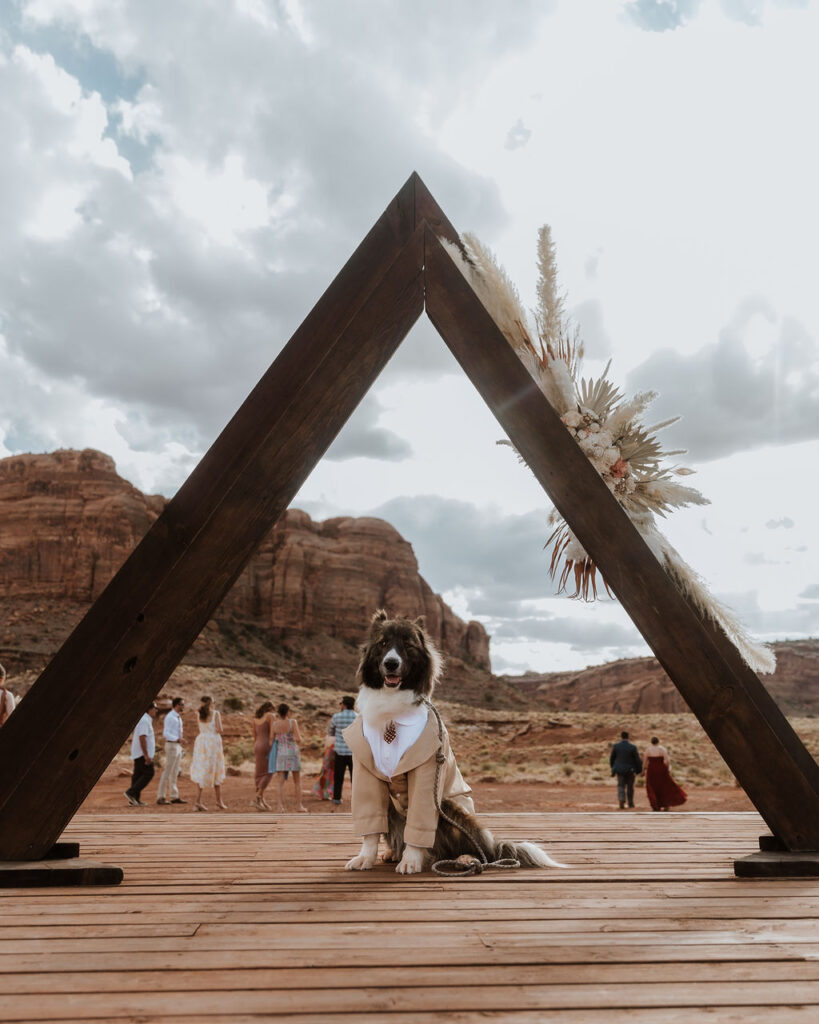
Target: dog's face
x,y
399,655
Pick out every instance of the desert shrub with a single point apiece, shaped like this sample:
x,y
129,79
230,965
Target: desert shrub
x,y
239,752
233,703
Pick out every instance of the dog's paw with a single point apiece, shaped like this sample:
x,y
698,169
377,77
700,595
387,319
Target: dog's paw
x,y
412,862
389,856
361,862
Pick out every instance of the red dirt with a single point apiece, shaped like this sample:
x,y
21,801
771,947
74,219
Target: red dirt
x,y
237,792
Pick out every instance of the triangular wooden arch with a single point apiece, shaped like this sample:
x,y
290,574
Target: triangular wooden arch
x,y
82,708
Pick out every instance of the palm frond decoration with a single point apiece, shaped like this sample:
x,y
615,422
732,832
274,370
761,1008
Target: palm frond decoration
x,y
608,429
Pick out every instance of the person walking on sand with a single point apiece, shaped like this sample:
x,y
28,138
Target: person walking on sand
x,y
262,742
208,763
625,764
174,748
284,754
662,791
343,758
143,748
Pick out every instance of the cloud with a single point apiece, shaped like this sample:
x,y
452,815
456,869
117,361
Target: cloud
x,y
661,15
785,523
518,135
665,15
802,620
361,437
592,263
497,558
589,317
811,592
759,558
732,399
581,635
167,224
751,12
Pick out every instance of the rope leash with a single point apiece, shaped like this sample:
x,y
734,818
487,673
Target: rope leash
x,y
459,866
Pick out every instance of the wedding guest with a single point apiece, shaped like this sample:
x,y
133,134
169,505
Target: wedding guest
x,y
262,742
662,791
208,763
323,786
143,748
172,731
7,701
343,756
625,764
284,754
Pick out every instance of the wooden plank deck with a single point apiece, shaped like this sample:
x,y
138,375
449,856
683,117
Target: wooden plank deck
x,y
234,918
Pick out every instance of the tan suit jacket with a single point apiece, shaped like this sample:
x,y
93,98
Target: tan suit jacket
x,y
411,789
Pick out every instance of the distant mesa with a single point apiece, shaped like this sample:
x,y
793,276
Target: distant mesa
x,y
640,685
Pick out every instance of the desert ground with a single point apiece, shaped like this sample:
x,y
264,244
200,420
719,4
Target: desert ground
x,y
237,791
526,760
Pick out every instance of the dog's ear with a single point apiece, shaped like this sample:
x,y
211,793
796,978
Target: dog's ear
x,y
380,616
421,622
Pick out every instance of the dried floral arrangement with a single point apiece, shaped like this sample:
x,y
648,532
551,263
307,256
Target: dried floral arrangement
x,y
607,427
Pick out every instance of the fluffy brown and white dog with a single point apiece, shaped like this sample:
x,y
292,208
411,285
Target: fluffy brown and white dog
x,y
399,751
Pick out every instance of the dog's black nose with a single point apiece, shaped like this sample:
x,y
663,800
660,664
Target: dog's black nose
x,y
391,664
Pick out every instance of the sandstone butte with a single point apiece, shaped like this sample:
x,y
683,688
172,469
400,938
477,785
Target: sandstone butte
x,y
68,521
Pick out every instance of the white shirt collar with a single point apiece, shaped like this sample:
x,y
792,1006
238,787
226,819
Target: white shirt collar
x,y
409,725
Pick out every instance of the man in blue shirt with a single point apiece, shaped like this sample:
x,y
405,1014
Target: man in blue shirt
x,y
343,755
625,764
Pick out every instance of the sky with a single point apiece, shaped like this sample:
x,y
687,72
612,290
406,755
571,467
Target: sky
x,y
180,182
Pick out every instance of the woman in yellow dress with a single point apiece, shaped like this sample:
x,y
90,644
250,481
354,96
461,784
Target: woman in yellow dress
x,y
208,763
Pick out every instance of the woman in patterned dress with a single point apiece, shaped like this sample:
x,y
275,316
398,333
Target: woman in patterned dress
x,y
284,756
208,762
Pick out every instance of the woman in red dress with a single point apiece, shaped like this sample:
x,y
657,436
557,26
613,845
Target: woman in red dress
x,y
662,791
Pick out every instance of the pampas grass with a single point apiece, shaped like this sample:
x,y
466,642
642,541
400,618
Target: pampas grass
x,y
607,427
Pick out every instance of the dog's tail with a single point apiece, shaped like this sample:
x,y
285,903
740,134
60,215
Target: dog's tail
x,y
461,833
530,855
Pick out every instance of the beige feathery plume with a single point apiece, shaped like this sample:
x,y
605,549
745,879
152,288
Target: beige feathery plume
x,y
551,313
627,454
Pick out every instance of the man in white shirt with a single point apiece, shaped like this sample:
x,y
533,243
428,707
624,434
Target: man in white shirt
x,y
143,748
172,731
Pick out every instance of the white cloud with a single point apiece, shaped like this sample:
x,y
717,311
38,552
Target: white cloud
x,y
731,399
518,135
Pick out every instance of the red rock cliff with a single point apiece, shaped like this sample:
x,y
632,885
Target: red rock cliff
x,y
329,577
68,521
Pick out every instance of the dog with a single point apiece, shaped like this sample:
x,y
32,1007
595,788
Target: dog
x,y
401,751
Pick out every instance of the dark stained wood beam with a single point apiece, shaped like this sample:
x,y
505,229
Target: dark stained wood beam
x,y
737,712
80,711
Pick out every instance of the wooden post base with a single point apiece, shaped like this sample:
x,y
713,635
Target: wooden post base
x,y
62,866
775,861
